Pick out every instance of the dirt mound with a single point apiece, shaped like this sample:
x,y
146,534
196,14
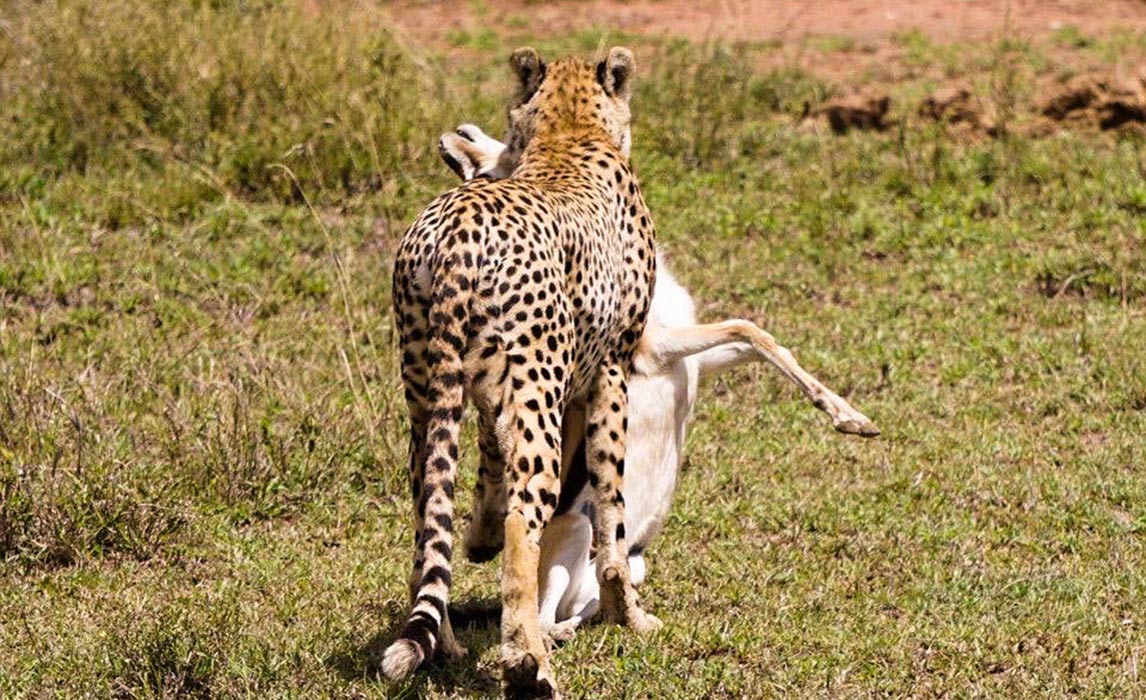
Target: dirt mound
x,y
1120,111
1079,93
957,104
1084,102
1095,100
863,112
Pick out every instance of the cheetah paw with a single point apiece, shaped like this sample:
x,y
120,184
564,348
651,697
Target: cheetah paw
x,y
453,652
526,680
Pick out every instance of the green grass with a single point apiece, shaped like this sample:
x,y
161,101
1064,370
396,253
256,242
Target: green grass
x,y
201,428
1072,36
834,43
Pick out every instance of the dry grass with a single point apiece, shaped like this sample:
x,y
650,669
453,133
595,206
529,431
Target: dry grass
x,y
201,488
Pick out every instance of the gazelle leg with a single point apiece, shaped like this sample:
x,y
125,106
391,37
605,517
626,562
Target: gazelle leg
x,y
719,346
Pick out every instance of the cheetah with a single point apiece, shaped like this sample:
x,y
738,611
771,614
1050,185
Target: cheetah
x,y
528,296
673,356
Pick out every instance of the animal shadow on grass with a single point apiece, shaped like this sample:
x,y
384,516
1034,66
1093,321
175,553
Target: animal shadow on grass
x,y
477,626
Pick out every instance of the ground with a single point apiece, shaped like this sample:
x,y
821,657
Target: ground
x,y
847,39
201,426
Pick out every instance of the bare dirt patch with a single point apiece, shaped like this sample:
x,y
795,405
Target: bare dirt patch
x,y
764,20
865,50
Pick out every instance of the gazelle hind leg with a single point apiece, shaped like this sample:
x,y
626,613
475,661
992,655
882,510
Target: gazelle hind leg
x,y
566,575
637,568
719,346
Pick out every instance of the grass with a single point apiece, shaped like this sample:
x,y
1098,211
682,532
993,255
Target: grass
x,y
201,431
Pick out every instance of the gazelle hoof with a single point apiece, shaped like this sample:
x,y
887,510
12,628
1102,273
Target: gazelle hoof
x,y
865,429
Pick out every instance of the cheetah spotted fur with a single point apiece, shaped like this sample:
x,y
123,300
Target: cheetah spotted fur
x,y
527,295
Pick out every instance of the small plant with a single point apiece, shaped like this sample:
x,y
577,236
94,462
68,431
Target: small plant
x,y
917,45
707,104
835,43
1071,36
484,39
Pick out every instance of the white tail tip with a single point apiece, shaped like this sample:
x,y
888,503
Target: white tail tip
x,y
401,659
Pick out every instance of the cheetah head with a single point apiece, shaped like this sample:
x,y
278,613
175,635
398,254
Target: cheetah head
x,y
569,96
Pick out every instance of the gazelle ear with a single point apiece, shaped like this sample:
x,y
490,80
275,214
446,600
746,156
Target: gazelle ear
x,y
471,153
616,71
451,148
529,69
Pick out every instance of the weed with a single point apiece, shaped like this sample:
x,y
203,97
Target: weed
x,y
1071,36
835,44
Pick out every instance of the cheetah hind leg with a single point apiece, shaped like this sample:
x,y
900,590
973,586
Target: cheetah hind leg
x,y
485,536
531,497
524,652
605,439
449,648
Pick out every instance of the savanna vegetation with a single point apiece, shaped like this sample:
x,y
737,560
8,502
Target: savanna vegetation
x,y
201,430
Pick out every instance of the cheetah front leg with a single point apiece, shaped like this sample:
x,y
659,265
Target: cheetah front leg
x,y
605,435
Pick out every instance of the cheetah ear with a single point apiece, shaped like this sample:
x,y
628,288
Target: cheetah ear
x,y
615,72
529,68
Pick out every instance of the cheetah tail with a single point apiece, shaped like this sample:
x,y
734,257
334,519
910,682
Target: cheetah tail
x,y
454,281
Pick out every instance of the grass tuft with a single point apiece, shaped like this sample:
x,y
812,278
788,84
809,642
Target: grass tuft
x,y
104,88
707,105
